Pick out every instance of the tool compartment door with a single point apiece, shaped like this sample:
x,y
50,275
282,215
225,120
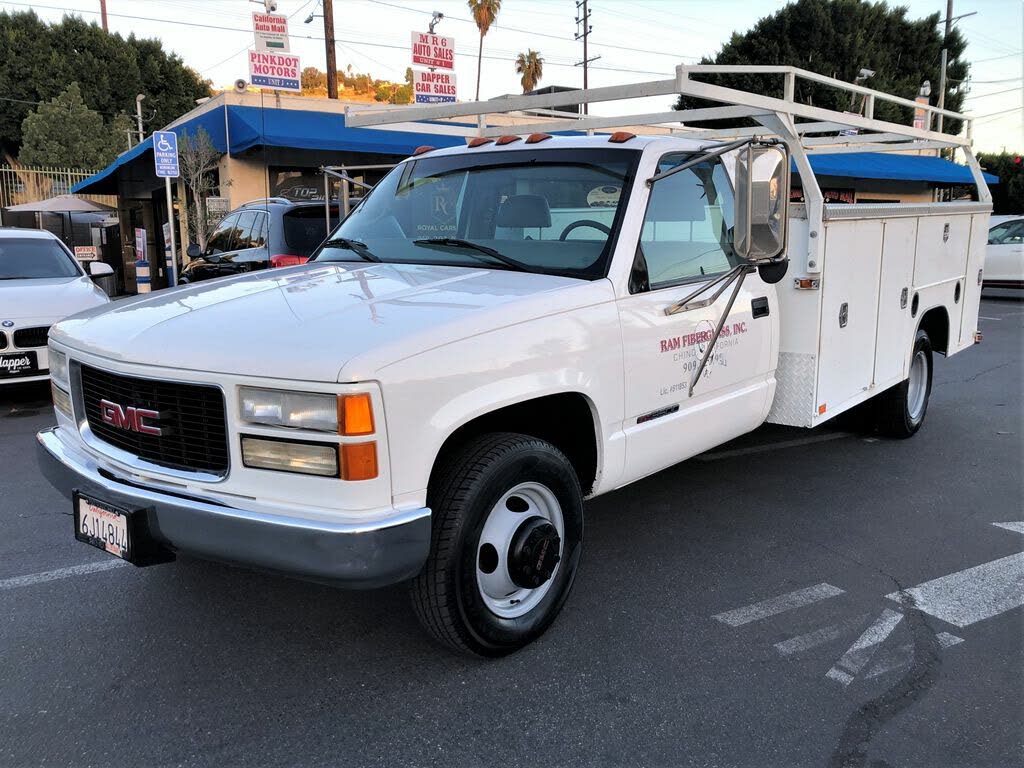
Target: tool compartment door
x,y
971,299
892,351
849,312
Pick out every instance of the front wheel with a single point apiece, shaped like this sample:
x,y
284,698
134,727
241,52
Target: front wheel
x,y
505,546
901,410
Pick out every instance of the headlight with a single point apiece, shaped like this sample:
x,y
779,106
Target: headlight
x,y
58,366
61,400
297,410
290,456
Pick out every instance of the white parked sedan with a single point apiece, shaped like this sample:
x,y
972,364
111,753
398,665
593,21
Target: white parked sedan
x,y
1004,259
41,282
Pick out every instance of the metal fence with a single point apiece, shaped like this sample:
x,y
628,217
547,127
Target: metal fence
x,y
29,185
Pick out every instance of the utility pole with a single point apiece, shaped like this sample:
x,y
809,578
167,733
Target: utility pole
x,y
138,116
332,67
103,15
583,18
945,57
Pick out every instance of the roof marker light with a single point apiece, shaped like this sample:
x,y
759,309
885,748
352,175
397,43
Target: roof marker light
x,y
621,137
506,140
537,138
421,150
479,141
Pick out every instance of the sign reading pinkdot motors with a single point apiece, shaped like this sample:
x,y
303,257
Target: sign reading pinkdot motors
x,y
433,87
279,71
430,50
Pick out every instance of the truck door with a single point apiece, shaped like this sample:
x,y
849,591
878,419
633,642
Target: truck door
x,y
683,244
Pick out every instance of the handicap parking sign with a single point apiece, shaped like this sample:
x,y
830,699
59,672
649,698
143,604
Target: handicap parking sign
x,y
165,154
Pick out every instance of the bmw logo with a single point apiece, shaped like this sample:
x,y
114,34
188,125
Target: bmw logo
x,y
7,323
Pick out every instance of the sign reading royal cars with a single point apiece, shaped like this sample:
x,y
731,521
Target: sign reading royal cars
x,y
430,50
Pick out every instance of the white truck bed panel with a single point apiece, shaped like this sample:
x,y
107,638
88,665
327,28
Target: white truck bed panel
x,y
850,338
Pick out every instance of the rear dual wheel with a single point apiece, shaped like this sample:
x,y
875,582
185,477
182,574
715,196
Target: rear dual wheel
x,y
505,545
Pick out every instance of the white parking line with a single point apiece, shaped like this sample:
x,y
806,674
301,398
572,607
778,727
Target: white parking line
x,y
60,573
802,643
1016,527
860,653
787,602
982,317
972,595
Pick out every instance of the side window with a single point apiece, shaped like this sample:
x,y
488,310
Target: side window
x,y
258,238
221,239
997,234
1016,234
687,230
247,221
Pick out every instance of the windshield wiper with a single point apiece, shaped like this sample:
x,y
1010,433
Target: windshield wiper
x,y
355,246
458,242
18,277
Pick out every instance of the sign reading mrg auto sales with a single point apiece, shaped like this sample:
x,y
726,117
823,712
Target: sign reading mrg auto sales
x,y
433,87
430,50
279,71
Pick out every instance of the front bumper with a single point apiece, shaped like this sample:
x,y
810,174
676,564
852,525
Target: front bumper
x,y
357,555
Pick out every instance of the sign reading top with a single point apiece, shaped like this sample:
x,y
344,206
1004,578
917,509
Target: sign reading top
x,y
275,70
431,50
271,32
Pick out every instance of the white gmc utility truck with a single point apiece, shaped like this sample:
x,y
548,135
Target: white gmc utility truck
x,y
501,330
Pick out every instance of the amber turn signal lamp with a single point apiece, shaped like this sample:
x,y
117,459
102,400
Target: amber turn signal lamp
x,y
355,415
506,140
621,137
421,150
479,141
358,461
537,138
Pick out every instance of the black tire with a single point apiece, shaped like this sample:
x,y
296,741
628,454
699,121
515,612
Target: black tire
x,y
893,415
464,489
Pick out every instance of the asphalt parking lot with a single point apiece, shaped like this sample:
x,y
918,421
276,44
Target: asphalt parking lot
x,y
795,598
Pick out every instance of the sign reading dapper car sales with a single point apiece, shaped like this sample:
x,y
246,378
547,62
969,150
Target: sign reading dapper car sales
x,y
275,70
433,87
430,50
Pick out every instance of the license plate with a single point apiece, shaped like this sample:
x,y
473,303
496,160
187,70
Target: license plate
x,y
18,364
103,526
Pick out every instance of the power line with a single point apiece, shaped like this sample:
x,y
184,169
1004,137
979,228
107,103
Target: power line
x,y
303,37
994,93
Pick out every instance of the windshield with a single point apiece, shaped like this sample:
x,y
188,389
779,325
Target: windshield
x,y
536,210
25,257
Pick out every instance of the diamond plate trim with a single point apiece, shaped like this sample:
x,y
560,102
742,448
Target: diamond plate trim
x,y
794,390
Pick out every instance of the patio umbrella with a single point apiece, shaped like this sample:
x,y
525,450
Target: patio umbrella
x,y
62,204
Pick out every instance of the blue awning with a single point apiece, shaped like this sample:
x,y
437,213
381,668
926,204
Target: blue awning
x,y
252,127
890,166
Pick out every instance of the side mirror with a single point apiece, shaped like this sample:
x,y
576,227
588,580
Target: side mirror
x,y
762,197
100,269
193,251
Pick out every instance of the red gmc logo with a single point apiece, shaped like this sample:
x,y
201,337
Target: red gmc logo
x,y
131,418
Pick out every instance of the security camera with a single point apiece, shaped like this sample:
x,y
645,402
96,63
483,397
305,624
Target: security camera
x,y
240,85
866,73
271,5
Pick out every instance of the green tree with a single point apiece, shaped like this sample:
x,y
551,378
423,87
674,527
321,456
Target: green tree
x,y
67,134
1008,194
484,14
531,66
38,60
313,81
838,38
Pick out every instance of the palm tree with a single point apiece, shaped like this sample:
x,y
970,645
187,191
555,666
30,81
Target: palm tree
x,y
484,14
531,66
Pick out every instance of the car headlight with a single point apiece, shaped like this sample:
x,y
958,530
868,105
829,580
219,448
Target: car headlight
x,y
349,415
290,456
58,367
296,410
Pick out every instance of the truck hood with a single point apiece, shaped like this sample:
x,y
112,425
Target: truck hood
x,y
318,322
48,299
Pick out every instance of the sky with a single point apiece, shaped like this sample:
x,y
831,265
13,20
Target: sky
x,y
636,40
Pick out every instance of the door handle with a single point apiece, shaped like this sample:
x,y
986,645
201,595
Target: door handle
x,y
759,307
